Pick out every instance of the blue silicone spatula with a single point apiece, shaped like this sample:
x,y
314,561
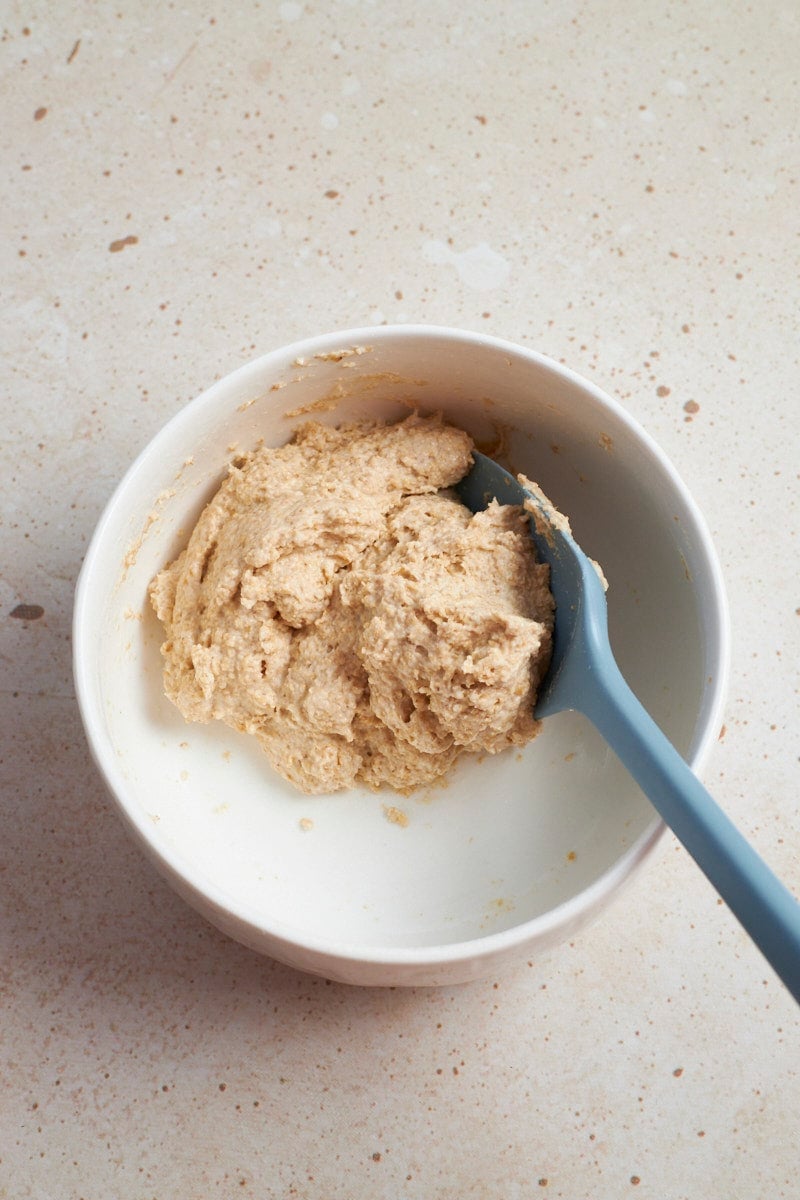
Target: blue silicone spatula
x,y
584,676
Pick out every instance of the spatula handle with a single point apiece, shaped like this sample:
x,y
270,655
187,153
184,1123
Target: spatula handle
x,y
764,906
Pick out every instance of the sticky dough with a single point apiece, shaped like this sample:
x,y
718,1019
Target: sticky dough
x,y
338,602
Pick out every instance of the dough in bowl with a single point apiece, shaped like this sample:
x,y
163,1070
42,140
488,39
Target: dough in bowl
x,y
337,601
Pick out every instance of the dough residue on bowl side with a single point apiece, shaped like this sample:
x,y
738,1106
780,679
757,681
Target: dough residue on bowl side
x,y
337,601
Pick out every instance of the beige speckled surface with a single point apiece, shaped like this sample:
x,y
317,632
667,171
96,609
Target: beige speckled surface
x,y
615,185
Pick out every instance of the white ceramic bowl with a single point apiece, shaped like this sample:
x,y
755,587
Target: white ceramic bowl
x,y
517,851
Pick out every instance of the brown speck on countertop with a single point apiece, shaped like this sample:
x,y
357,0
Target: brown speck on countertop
x,y
571,856
691,406
27,612
480,120
662,390
635,1180
678,1072
376,1157
306,824
40,114
121,243
722,732
331,194
73,51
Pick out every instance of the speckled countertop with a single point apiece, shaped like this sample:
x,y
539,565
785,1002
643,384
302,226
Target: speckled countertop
x,y
614,184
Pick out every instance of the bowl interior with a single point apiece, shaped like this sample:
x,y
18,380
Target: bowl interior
x,y
506,839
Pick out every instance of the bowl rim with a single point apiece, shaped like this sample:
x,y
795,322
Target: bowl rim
x,y
571,912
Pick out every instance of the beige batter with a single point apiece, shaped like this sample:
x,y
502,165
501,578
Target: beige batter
x,y
334,601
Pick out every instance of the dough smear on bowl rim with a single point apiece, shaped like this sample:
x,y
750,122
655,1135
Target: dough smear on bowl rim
x,y
339,603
